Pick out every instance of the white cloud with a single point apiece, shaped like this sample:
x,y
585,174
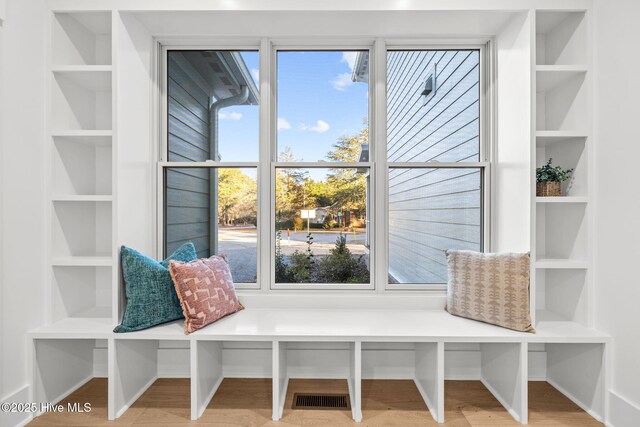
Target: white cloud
x,y
320,127
350,59
232,115
255,73
342,81
283,124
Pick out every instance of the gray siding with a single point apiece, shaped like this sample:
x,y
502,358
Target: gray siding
x,y
187,190
431,210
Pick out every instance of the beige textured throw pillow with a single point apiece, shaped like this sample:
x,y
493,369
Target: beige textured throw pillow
x,y
491,288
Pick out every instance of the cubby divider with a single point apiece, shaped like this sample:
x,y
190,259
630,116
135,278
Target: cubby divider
x,y
133,367
429,376
206,374
504,373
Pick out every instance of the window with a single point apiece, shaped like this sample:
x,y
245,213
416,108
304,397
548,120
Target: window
x,y
321,212
433,152
212,125
329,196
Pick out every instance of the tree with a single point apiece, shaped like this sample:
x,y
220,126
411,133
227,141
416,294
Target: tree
x,y
319,193
236,197
349,185
290,191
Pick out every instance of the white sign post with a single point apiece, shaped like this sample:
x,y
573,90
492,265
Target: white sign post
x,y
308,214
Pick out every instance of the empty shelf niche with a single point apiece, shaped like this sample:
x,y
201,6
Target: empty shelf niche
x,y
561,38
81,229
81,166
80,292
82,38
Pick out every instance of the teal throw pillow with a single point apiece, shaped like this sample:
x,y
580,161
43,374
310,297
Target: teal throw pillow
x,y
151,296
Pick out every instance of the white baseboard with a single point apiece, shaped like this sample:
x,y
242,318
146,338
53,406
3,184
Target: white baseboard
x,y
18,419
622,412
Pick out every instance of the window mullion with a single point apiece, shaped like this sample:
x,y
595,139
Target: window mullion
x,y
264,171
379,191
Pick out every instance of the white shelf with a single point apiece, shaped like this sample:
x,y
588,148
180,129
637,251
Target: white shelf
x,y
82,133
549,77
544,138
95,78
83,261
553,328
550,263
96,324
562,199
81,198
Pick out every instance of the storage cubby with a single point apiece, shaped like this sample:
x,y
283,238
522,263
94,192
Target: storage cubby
x,y
82,38
561,38
501,367
135,365
61,365
81,229
562,100
80,291
81,100
343,360
561,231
568,153
562,294
81,166
578,370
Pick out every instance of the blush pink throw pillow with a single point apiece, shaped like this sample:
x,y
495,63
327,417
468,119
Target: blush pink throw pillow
x,y
205,289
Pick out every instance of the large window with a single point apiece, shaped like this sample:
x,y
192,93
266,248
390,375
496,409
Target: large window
x,y
434,157
212,126
308,201
321,213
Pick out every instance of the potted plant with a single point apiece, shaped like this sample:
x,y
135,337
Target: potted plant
x,y
549,179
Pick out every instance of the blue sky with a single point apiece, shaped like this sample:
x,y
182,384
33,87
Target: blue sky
x,y
317,104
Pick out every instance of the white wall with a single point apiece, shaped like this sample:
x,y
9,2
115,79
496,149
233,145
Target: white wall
x,y
617,149
21,173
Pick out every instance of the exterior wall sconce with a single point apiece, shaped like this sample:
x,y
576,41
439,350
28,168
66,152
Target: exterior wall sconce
x,y
430,85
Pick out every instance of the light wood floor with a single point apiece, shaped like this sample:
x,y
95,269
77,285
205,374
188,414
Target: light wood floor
x,y
385,403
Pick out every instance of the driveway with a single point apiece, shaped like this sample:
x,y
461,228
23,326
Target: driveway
x,y
240,246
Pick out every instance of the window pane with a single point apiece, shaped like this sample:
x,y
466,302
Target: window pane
x,y
216,210
327,207
433,105
322,96
431,210
212,101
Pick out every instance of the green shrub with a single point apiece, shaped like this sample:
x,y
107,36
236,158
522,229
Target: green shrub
x,y
283,275
342,267
303,264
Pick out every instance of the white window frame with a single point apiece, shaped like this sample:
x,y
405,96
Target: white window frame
x,y
485,153
378,166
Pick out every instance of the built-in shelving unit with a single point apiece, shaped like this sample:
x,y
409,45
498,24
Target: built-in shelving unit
x,y
562,132
84,295
81,184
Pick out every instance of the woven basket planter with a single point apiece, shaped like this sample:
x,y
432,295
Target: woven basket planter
x,y
548,189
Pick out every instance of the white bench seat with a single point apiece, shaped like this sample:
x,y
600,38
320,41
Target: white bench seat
x,y
335,325
575,353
